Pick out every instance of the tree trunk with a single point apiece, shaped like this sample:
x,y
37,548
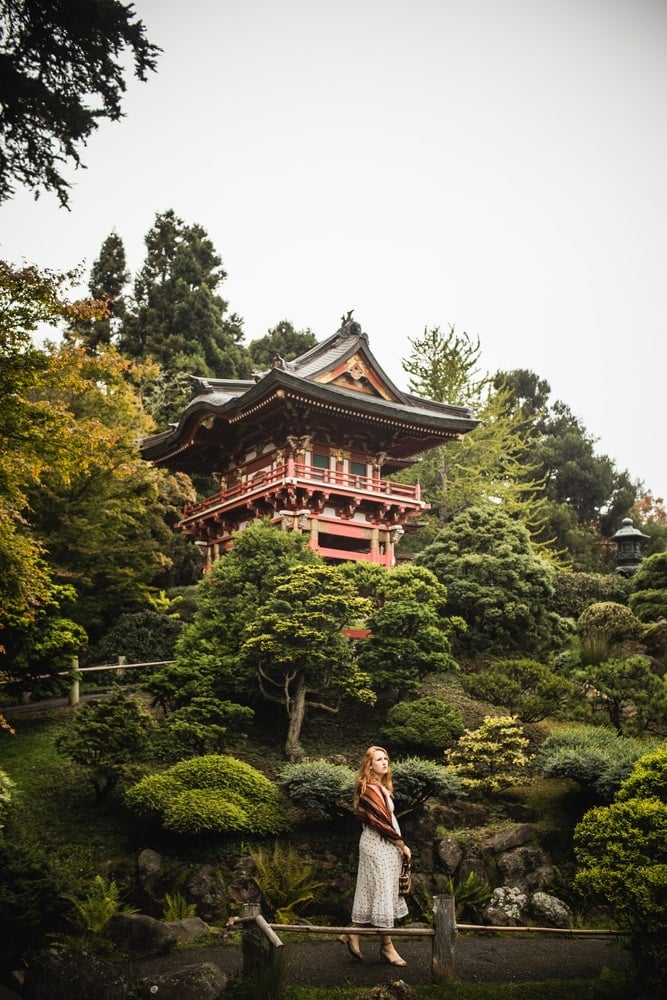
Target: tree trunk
x,y
296,710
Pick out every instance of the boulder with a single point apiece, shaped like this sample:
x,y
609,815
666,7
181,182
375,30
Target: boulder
x,y
472,866
527,868
208,890
192,982
189,928
138,934
450,853
149,864
59,974
507,907
515,836
549,911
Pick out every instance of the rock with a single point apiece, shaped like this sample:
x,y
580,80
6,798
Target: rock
x,y
207,888
549,910
494,916
138,934
450,854
527,868
56,974
507,839
472,866
507,907
396,990
189,928
149,864
193,982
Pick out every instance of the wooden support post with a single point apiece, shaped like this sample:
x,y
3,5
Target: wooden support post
x,y
444,925
261,949
74,686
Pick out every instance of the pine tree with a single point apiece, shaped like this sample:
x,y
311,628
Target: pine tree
x,y
489,463
108,280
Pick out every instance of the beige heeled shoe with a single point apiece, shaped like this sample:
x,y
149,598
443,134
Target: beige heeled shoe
x,y
389,955
349,940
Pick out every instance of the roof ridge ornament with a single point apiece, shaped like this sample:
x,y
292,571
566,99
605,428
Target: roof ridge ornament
x,y
349,327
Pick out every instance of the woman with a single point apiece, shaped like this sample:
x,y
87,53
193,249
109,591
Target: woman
x,y
381,851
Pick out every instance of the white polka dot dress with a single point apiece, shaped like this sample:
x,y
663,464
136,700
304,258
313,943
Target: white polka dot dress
x,y
376,898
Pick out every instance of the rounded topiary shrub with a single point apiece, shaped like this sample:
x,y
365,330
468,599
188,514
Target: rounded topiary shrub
x,y
427,725
416,780
319,786
603,625
213,794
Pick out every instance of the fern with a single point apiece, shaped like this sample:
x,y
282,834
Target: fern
x,y
285,881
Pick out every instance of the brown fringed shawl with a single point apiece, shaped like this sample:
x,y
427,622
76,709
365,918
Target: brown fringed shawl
x,y
373,811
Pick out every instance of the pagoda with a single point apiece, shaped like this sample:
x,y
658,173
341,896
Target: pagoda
x,y
306,444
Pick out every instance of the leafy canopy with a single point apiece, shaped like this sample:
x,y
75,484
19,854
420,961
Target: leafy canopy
x,y
410,634
621,851
296,645
63,69
496,582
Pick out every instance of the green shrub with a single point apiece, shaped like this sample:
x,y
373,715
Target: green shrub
x,y
621,850
206,725
574,592
205,810
140,636
147,798
427,725
106,738
525,688
648,778
649,588
31,902
416,780
214,794
492,756
319,786
603,625
594,756
629,691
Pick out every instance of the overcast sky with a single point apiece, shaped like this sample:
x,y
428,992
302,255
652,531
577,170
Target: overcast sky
x,y
499,165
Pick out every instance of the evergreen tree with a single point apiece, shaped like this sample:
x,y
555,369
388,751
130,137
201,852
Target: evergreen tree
x,y
496,582
490,462
296,646
177,317
108,279
281,341
63,68
584,497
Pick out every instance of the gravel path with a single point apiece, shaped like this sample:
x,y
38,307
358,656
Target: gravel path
x,y
478,959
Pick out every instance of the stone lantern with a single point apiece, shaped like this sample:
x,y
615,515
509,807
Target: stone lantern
x,y
628,541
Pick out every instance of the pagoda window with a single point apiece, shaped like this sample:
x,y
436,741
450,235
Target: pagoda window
x,y
358,471
319,462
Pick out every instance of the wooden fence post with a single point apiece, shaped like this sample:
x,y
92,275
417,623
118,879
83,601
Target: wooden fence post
x,y
74,686
444,925
262,952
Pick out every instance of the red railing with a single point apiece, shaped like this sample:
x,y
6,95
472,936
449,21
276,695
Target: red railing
x,y
312,478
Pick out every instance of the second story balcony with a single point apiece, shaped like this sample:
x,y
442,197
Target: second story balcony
x,y
296,478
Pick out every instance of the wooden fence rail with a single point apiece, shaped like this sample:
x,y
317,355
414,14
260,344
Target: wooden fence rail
x,y
260,939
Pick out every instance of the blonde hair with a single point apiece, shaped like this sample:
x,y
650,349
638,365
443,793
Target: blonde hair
x,y
365,773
